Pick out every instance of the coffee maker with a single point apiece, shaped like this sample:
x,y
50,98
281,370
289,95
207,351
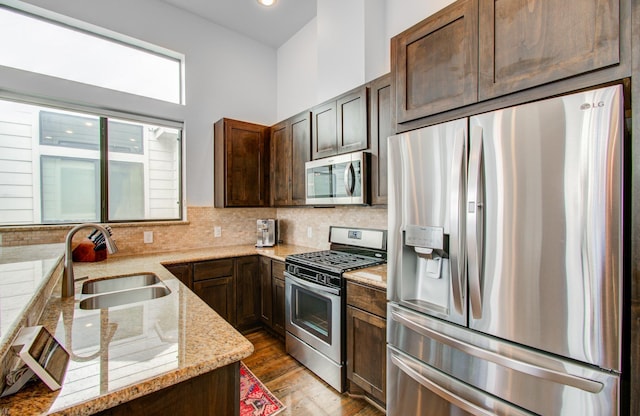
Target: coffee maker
x,y
267,232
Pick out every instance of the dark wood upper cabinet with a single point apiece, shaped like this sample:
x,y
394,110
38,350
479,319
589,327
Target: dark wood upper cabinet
x,y
435,63
528,43
352,121
241,164
324,135
340,125
300,154
290,149
475,50
380,127
280,163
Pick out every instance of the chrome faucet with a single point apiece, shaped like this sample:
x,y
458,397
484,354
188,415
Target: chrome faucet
x,y
68,281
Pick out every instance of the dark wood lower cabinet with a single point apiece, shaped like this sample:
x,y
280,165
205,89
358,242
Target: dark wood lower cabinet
x,y
183,272
266,298
218,294
211,394
278,306
366,340
272,297
247,274
231,287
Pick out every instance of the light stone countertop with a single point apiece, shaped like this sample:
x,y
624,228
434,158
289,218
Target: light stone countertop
x,y
125,352
25,271
375,276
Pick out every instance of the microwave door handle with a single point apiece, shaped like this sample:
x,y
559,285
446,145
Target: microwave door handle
x,y
474,209
349,179
457,244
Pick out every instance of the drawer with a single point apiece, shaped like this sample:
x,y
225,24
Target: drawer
x,y
367,298
211,269
277,269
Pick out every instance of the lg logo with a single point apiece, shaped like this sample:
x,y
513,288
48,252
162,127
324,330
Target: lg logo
x,y
587,106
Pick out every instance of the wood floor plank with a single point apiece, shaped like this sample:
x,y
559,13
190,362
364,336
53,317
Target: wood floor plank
x,y
299,389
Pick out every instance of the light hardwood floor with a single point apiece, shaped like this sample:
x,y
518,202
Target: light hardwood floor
x,y
298,388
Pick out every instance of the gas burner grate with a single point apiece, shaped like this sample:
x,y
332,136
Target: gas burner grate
x,y
335,260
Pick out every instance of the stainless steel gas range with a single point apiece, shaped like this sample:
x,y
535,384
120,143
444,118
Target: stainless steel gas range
x,y
315,303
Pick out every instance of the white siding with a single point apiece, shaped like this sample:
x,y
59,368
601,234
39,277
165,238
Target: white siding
x,y
163,184
16,168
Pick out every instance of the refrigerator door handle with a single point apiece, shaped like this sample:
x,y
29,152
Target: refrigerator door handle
x,y
521,366
474,221
349,179
447,395
456,227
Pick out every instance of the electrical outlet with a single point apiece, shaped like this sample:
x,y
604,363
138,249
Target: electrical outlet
x,y
309,232
217,231
148,237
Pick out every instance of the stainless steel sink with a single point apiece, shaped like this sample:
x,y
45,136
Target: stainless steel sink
x,y
124,297
119,283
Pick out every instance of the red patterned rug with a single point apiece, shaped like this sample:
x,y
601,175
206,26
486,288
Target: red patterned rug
x,y
255,398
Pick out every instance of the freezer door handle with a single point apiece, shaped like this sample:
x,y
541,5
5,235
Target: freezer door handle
x,y
475,221
521,366
456,228
432,384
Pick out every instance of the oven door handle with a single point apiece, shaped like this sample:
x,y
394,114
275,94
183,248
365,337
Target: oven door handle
x,y
311,286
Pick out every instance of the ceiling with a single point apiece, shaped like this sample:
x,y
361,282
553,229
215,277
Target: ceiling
x,y
269,25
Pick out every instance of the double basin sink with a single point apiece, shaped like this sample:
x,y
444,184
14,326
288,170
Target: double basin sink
x,y
122,290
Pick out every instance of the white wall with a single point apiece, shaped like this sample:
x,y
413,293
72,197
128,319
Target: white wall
x,y
298,72
376,60
227,75
341,46
353,43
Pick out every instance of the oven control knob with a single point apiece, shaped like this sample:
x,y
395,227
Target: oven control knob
x,y
322,278
294,269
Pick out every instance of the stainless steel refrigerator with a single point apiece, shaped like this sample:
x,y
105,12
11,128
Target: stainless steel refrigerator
x,y
505,261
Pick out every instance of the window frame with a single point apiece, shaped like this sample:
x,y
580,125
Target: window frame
x,y
98,32
103,161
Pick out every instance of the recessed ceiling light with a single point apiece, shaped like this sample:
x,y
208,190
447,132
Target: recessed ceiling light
x,y
267,2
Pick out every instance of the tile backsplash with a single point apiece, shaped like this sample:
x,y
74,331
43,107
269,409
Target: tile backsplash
x,y
238,226
295,223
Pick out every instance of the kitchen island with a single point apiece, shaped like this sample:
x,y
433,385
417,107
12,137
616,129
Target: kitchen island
x,y
162,349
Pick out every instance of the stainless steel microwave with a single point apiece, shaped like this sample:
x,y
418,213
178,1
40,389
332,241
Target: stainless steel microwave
x,y
338,180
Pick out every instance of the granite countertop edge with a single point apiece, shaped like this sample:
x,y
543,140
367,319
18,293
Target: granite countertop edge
x,y
116,265
48,295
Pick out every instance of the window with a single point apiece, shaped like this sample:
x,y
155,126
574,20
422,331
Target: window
x,y
59,166
60,50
